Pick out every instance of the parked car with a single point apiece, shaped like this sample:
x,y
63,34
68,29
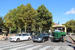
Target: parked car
x,y
20,37
35,34
40,37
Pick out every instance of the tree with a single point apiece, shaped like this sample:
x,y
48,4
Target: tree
x,y
70,25
27,15
1,22
8,20
44,18
19,17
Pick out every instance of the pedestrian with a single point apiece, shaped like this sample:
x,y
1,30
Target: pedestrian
x,y
33,33
6,33
50,31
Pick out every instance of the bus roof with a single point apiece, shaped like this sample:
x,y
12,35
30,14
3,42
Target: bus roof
x,y
58,26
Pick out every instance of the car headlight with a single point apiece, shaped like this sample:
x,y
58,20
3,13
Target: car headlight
x,y
39,38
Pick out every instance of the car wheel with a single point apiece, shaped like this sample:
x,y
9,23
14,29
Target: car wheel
x,y
33,41
47,39
63,39
18,40
43,40
29,38
52,39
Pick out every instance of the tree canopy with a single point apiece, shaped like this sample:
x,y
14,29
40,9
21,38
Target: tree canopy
x,y
22,16
44,17
25,15
70,25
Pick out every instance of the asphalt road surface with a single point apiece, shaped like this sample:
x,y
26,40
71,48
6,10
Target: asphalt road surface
x,y
30,45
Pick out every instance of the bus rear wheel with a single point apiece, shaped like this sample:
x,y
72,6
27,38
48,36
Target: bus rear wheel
x,y
63,38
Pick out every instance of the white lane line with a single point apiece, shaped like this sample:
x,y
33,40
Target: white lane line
x,y
33,47
69,48
22,47
4,43
7,45
44,48
64,47
11,46
57,48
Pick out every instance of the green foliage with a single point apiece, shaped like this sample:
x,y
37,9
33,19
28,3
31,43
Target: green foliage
x,y
13,28
28,14
19,17
70,25
25,15
8,19
44,17
1,22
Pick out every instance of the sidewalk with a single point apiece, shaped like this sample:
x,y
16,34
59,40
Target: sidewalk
x,y
72,37
8,36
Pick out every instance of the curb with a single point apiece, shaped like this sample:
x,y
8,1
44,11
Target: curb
x,y
72,39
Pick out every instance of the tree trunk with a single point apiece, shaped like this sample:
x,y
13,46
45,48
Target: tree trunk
x,y
9,30
25,29
40,29
20,30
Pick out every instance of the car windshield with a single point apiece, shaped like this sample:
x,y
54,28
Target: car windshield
x,y
18,35
40,35
46,33
25,34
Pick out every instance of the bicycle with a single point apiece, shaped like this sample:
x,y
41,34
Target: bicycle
x,y
3,38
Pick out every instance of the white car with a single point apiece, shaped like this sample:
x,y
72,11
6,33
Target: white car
x,y
20,37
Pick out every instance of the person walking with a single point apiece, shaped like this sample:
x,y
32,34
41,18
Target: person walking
x,y
6,33
33,33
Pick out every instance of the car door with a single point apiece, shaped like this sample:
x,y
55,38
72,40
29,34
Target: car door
x,y
22,37
25,36
43,36
46,36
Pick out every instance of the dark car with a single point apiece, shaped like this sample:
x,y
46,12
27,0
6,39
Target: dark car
x,y
35,34
40,37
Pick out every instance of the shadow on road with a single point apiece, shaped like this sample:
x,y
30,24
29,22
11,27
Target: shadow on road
x,y
20,41
68,41
72,46
57,41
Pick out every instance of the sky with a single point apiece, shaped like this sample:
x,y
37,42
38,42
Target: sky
x,y
62,10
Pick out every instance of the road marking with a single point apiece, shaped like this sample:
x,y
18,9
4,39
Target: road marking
x,y
6,45
69,48
44,48
9,43
5,42
57,48
11,46
21,47
33,47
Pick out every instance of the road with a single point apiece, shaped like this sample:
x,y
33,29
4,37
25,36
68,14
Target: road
x,y
30,45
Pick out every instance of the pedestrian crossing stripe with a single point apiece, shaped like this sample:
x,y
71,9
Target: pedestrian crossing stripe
x,y
6,45
11,46
44,48
67,47
33,47
22,47
57,48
